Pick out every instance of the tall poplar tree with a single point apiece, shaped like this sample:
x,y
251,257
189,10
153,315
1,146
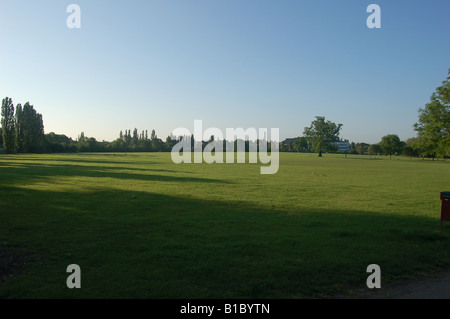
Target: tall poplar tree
x,y
8,125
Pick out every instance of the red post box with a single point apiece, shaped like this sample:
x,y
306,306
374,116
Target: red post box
x,y
445,208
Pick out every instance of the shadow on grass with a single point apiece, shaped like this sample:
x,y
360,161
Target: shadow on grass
x,y
160,246
12,262
90,158
24,173
364,158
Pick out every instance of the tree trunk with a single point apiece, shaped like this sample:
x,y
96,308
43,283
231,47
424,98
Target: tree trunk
x,y
320,154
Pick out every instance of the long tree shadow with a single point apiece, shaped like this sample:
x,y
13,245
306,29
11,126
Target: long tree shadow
x,y
92,158
20,173
159,246
56,164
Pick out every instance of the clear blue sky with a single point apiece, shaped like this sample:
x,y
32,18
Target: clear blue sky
x,y
235,63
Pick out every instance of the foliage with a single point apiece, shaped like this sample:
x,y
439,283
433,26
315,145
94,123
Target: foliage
x,y
374,149
30,129
433,127
322,135
362,148
24,131
8,125
410,148
301,144
59,143
391,145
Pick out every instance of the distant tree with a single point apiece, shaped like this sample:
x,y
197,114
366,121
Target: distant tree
x,y
146,145
135,137
362,148
58,143
374,149
287,146
128,138
193,143
157,145
323,135
118,145
169,143
410,148
353,148
31,129
1,137
58,138
38,132
92,145
433,127
81,141
19,128
391,145
153,136
81,138
146,134
300,144
8,125
121,136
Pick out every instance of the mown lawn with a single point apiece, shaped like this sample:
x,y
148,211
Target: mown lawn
x,y
140,226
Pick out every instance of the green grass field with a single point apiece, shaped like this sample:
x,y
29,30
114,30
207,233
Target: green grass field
x,y
142,227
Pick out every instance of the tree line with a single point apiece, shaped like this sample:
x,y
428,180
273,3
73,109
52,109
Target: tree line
x,y
22,131
22,128
389,145
432,140
127,142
